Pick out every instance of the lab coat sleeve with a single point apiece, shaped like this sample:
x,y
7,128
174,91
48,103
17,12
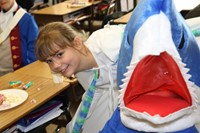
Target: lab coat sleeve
x,y
107,40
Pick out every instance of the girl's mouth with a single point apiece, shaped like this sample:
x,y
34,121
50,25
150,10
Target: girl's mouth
x,y
64,70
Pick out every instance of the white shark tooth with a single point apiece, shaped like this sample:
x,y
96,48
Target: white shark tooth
x,y
128,74
120,106
156,116
121,90
123,80
191,89
126,79
182,64
185,70
120,99
123,85
189,83
195,97
156,54
195,105
134,62
130,67
187,76
121,94
140,57
179,60
176,57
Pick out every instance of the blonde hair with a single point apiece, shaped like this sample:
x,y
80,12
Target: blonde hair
x,y
54,37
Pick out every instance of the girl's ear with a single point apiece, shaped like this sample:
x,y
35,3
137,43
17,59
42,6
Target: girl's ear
x,y
78,43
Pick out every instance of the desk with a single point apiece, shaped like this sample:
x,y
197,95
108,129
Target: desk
x,y
42,90
41,69
124,19
62,12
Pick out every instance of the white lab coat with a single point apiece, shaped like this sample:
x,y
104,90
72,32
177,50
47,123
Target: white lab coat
x,y
104,45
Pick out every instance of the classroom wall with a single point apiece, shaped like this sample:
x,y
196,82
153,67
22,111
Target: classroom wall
x,y
127,5
186,4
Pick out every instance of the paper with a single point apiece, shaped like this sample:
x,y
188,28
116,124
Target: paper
x,y
57,78
47,117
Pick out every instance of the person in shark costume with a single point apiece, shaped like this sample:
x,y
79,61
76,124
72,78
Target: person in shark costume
x,y
158,73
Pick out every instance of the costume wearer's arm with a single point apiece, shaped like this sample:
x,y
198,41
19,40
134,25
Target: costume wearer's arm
x,y
28,32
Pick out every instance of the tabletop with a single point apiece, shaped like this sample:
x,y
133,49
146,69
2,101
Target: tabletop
x,y
60,9
40,69
124,19
42,90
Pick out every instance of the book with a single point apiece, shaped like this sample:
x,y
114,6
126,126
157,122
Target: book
x,y
46,112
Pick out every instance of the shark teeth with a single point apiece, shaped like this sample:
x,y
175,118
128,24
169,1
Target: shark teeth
x,y
184,72
156,119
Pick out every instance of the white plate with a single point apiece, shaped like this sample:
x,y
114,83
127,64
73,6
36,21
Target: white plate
x,y
14,97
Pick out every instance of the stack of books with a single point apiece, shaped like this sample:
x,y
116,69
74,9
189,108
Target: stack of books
x,y
40,116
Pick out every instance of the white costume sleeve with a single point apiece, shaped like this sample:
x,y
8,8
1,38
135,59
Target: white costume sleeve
x,y
107,40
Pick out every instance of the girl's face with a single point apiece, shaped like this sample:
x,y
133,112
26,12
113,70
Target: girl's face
x,y
65,61
6,4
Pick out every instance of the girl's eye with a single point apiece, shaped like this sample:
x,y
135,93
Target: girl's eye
x,y
59,54
48,61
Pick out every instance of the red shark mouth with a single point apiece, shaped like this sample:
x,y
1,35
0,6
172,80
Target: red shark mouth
x,y
157,87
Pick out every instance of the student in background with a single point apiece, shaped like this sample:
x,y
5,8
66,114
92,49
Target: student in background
x,y
93,61
18,32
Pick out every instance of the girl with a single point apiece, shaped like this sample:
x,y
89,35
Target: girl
x,y
93,61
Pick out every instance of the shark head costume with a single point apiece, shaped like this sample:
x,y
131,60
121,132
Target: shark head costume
x,y
158,73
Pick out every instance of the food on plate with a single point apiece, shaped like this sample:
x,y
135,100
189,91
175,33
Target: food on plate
x,y
12,98
9,99
2,98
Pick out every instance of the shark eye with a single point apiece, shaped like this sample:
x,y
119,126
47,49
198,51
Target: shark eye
x,y
182,42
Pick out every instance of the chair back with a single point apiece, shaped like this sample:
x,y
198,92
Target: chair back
x,y
111,8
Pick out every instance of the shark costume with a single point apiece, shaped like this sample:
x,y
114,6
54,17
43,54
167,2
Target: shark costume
x,y
158,73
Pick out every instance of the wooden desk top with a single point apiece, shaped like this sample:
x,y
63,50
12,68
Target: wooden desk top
x,y
42,90
60,9
37,68
124,19
40,69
